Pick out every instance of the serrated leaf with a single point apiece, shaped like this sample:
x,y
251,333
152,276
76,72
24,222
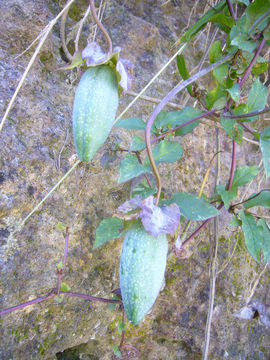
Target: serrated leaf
x,y
183,71
263,199
244,174
166,151
159,220
251,234
107,230
265,149
234,92
215,52
202,22
193,207
226,195
257,96
130,168
137,144
132,123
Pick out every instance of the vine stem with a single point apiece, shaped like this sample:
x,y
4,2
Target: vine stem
x,y
52,294
163,103
231,9
233,165
248,70
102,28
208,113
251,114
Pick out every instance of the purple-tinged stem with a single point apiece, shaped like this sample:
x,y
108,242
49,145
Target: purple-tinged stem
x,y
28,303
90,298
210,112
231,9
233,165
247,115
250,66
163,103
102,28
140,161
247,128
52,294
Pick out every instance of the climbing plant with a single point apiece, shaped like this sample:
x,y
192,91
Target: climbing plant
x,y
148,219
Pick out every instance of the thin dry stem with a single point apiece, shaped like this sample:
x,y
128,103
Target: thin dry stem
x,y
31,62
256,283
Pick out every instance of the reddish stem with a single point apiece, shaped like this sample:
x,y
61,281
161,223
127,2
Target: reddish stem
x,y
231,9
210,112
233,165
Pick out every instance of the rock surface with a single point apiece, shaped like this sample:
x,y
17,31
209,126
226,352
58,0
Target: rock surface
x,y
37,149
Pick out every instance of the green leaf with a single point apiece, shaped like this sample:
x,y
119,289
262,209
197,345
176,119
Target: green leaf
x,y
133,123
117,352
137,144
257,97
130,168
245,2
239,36
235,222
221,73
215,52
226,195
170,120
213,96
121,327
263,199
256,14
265,149
143,191
265,239
64,287
244,174
259,68
193,207
113,306
59,226
251,234
222,21
76,61
107,230
166,151
234,92
202,22
60,265
183,71
232,128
